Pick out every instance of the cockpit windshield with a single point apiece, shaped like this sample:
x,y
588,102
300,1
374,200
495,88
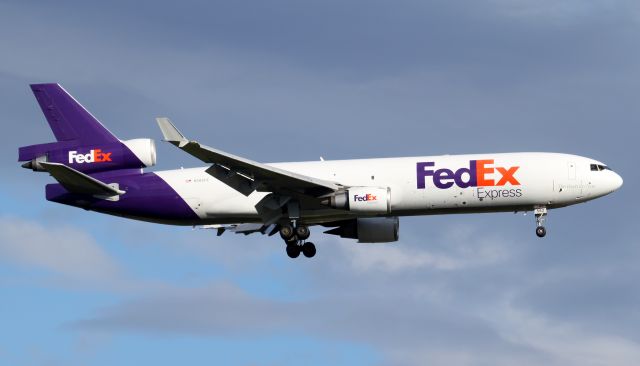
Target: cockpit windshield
x,y
599,167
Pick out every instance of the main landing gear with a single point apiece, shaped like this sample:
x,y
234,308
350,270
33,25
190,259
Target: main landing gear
x,y
541,215
295,238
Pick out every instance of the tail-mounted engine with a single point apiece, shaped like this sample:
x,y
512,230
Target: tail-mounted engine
x,y
90,158
82,142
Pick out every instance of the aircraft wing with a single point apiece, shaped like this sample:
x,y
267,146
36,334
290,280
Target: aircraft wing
x,y
77,182
246,175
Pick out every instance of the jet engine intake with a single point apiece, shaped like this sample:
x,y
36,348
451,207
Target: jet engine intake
x,y
143,149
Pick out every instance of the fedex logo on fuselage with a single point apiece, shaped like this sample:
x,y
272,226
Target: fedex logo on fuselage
x,y
366,197
94,156
480,173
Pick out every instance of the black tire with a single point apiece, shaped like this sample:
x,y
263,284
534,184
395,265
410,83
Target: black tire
x,y
303,232
541,231
293,250
309,249
286,232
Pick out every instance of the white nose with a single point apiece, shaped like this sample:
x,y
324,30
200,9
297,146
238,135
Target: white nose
x,y
616,181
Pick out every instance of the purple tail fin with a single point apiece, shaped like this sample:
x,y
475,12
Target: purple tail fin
x,y
83,143
68,119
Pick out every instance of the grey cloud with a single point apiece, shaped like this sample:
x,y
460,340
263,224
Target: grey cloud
x,y
60,255
488,309
62,250
218,310
368,38
545,82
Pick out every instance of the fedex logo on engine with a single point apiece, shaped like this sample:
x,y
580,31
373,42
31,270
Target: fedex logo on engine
x,y
94,156
366,197
480,173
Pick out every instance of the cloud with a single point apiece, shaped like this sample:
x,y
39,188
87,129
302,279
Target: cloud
x,y
564,12
416,254
223,310
61,250
406,332
566,343
453,303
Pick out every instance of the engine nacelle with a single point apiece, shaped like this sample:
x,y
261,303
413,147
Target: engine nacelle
x,y
369,229
91,157
144,149
371,200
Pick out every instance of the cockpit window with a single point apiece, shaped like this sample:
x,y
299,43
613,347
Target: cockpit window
x,y
599,167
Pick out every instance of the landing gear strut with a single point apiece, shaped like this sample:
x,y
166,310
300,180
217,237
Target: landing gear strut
x,y
295,238
541,215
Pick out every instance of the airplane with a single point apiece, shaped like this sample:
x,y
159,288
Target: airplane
x,y
357,199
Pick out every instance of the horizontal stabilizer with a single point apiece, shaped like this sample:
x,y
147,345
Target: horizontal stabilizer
x,y
80,183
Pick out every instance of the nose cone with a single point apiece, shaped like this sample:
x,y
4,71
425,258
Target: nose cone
x,y
616,181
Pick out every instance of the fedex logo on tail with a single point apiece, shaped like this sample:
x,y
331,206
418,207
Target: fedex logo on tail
x,y
480,173
94,156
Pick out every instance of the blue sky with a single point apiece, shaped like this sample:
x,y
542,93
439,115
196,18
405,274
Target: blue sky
x,y
295,80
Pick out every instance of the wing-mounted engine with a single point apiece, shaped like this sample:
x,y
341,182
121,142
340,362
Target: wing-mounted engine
x,y
369,229
371,200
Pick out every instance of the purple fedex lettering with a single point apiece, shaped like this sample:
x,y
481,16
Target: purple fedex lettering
x,y
445,178
471,171
421,173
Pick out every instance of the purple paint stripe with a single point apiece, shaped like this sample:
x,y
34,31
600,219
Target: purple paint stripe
x,y
148,197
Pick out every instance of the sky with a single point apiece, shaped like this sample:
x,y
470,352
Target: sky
x,y
286,80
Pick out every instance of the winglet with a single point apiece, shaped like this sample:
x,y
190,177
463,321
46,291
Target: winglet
x,y
170,132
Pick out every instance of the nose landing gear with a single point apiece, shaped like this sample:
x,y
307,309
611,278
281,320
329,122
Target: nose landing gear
x,y
541,215
295,238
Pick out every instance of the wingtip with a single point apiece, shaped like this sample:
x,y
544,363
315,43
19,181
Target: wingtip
x,y
169,130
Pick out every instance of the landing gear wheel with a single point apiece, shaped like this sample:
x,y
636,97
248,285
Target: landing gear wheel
x,y
293,250
302,232
308,249
286,232
540,213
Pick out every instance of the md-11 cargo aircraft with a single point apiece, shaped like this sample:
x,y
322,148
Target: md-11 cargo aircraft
x,y
359,199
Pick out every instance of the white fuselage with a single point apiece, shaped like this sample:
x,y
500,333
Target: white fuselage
x,y
500,182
